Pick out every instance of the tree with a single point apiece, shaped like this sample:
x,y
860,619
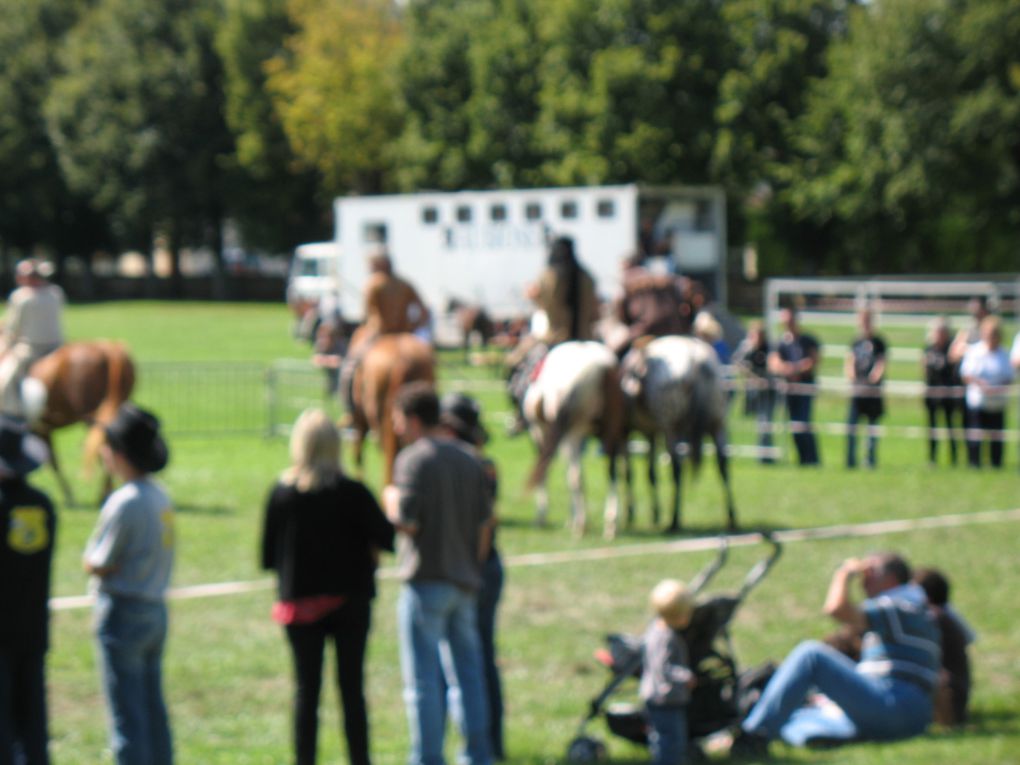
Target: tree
x,y
37,209
273,197
630,90
136,118
334,88
914,135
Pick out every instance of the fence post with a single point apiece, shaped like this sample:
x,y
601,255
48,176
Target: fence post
x,y
271,395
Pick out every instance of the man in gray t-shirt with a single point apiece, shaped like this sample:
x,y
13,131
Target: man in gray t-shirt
x,y
441,506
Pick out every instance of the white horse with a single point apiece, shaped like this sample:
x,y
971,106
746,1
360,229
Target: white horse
x,y
675,387
576,394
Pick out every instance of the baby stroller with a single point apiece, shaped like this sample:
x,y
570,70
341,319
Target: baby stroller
x,y
723,694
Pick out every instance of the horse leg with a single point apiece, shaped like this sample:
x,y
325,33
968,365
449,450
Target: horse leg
x,y
723,461
676,463
65,487
575,480
612,509
628,479
653,481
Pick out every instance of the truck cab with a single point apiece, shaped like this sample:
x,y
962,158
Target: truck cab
x,y
314,287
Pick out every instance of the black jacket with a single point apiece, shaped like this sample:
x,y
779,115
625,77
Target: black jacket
x,y
323,542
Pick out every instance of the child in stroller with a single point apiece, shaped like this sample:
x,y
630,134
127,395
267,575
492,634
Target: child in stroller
x,y
722,694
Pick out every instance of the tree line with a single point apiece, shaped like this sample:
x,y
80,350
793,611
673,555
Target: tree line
x,y
851,137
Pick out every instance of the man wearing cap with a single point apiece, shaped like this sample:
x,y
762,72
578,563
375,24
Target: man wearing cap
x,y
32,328
129,556
27,530
461,418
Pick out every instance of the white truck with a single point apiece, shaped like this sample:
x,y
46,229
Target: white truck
x,y
484,247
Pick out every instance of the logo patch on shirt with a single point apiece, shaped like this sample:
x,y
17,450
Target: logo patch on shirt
x,y
28,533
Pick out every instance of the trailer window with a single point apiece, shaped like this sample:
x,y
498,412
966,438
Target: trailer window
x,y
533,211
568,210
464,214
497,212
605,208
374,233
429,215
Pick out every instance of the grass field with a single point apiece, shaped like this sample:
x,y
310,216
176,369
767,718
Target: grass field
x,y
228,680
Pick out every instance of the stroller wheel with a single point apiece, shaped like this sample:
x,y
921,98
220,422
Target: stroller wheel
x,y
585,750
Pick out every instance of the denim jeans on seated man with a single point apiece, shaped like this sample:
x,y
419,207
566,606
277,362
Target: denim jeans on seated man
x,y
874,708
131,633
429,614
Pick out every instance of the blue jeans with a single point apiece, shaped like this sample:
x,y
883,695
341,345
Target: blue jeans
x,y
131,635
23,734
430,614
875,708
667,737
871,410
799,407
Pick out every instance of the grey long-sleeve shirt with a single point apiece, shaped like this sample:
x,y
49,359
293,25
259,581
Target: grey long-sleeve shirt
x,y
665,674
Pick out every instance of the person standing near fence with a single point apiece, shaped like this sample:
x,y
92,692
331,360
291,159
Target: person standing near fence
x,y
865,368
130,556
28,527
986,371
322,534
794,362
751,356
942,388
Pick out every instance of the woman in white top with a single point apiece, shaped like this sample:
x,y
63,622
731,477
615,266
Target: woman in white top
x,y
987,373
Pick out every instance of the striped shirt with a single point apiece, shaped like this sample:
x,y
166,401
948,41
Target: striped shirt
x,y
902,640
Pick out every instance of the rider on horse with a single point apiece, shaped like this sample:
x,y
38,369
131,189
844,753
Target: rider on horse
x,y
565,295
652,304
392,306
32,329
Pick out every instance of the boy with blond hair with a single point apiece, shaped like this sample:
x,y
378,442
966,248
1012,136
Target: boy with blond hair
x,y
666,678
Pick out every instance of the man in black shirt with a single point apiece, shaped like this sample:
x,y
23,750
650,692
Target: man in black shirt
x,y
794,361
27,530
865,368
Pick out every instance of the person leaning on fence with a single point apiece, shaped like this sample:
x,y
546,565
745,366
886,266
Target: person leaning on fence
x,y
794,361
28,526
129,557
943,388
865,368
751,357
322,534
986,372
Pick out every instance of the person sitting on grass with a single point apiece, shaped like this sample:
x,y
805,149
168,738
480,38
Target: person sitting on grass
x,y
953,691
666,677
885,696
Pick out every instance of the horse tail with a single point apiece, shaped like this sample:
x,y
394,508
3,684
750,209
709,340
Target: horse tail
x,y
613,432
120,381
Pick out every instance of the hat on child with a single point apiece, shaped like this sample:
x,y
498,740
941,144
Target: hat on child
x,y
463,415
134,433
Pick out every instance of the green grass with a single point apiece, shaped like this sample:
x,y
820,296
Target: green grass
x,y
228,673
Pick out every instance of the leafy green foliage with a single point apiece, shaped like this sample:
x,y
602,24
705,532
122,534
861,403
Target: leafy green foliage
x,y
333,86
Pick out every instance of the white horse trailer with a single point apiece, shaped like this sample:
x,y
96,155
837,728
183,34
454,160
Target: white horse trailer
x,y
485,247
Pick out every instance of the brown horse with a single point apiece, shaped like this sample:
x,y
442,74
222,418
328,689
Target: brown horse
x,y
391,362
84,382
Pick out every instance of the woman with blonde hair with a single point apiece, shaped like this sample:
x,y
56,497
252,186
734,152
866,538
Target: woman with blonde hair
x,y
322,534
